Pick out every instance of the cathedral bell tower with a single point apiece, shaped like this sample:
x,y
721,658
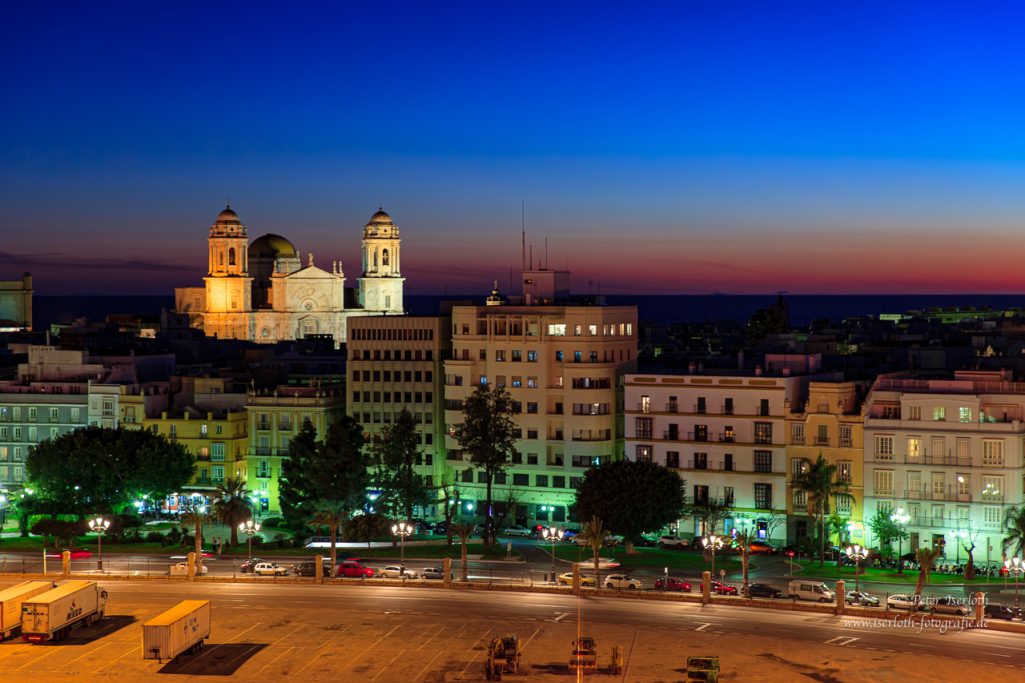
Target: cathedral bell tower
x,y
228,284
380,287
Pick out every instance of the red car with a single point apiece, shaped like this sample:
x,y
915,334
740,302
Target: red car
x,y
761,548
76,554
672,584
723,588
352,569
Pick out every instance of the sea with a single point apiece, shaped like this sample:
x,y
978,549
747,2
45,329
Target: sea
x,y
652,309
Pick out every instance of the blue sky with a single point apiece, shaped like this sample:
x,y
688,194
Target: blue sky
x,y
746,147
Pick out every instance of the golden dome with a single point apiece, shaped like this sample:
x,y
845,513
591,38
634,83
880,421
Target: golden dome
x,y
272,245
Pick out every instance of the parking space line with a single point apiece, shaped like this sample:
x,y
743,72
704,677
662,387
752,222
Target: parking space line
x,y
204,652
120,656
368,649
284,652
424,644
481,640
313,657
390,661
702,627
428,665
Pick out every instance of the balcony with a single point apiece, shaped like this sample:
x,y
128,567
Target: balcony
x,y
697,436
671,435
845,443
821,440
884,493
727,410
672,408
700,409
953,496
797,440
716,466
929,459
727,438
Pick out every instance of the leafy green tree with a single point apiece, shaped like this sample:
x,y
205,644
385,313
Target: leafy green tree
x,y
231,505
332,514
593,535
885,529
712,513
293,488
818,481
195,516
395,458
488,434
631,497
464,530
1014,527
97,469
968,538
366,527
925,557
337,470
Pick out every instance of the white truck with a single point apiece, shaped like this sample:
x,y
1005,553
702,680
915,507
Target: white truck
x,y
10,604
180,629
52,615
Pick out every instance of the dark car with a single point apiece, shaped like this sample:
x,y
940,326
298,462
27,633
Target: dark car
x,y
433,573
309,568
671,583
761,590
999,612
247,566
723,588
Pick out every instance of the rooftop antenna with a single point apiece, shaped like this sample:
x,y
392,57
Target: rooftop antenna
x,y
523,233
546,252
532,257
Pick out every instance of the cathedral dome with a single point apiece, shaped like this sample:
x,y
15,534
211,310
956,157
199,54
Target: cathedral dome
x,y
227,216
271,245
227,225
381,217
380,225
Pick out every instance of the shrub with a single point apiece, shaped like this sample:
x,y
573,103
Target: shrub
x,y
280,540
155,537
274,523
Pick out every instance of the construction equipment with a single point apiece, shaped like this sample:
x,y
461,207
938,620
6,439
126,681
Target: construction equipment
x,y
616,664
585,654
503,657
703,669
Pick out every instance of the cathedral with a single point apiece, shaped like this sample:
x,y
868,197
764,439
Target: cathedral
x,y
263,292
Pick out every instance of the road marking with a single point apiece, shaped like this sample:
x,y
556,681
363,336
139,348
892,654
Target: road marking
x,y
371,647
702,627
390,662
482,640
998,654
562,615
429,662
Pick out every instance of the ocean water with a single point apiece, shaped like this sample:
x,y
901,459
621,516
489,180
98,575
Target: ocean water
x,y
651,309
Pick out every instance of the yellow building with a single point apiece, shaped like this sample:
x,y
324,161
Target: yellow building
x,y
274,418
830,424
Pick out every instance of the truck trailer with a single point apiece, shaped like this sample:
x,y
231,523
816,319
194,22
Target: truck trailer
x,y
180,629
10,604
52,615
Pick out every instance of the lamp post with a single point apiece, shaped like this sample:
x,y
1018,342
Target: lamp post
x,y
402,529
1014,566
552,534
900,518
100,526
713,543
857,553
250,529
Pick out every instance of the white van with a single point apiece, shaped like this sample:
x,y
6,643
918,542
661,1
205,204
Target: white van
x,y
811,590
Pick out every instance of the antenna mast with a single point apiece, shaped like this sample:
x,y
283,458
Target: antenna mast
x,y
523,233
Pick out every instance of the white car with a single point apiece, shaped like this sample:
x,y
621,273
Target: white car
x,y
515,530
902,601
394,571
670,541
182,569
269,569
621,581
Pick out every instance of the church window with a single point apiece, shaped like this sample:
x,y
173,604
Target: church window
x,y
220,256
375,259
231,256
387,298
384,257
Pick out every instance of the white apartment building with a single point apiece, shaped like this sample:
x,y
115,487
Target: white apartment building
x,y
724,434
950,453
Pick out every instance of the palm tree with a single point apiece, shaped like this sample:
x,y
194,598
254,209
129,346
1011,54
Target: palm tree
x,y
1014,525
818,482
925,558
196,516
332,514
742,540
593,534
463,531
231,505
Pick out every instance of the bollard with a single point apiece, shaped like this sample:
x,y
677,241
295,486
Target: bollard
x,y
190,573
446,569
841,597
66,563
706,587
318,569
980,608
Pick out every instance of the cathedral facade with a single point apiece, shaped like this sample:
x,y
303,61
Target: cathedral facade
x,y
263,292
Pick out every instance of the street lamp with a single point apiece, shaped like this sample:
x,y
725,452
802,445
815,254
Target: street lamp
x,y
402,529
250,529
552,534
713,543
857,553
100,526
1014,566
900,518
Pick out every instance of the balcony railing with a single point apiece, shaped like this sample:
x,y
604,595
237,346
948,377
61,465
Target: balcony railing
x,y
697,436
671,435
927,458
672,408
719,466
923,494
798,440
727,438
821,440
845,443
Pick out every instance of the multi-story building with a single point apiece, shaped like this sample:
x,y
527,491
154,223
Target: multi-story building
x,y
829,424
395,363
949,452
275,417
724,434
561,364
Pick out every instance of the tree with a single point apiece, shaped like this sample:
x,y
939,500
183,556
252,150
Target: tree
x,y
631,497
395,457
769,320
65,532
593,534
968,539
196,516
712,514
1014,526
450,505
293,488
488,434
337,470
463,530
231,505
98,469
332,514
885,529
925,558
366,527
743,536
818,482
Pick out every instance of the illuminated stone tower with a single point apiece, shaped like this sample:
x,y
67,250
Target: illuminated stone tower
x,y
228,283
380,287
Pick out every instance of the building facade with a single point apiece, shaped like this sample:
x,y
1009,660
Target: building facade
x,y
16,304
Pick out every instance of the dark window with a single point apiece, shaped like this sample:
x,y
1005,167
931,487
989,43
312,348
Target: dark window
x,y
763,461
521,480
763,432
541,480
701,461
727,462
700,494
643,427
673,459
558,482
763,496
763,407
701,432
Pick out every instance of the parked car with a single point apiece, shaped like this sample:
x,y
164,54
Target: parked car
x,y
247,566
394,571
721,588
805,589
621,581
207,555
670,541
761,590
903,601
353,569
433,573
999,612
570,534
567,579
761,548
672,583
950,605
516,530
182,569
309,568
269,569
861,598
76,554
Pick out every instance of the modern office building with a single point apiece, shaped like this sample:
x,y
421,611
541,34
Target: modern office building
x,y
16,304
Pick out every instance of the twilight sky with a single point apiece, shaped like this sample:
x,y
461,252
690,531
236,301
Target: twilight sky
x,y
665,147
